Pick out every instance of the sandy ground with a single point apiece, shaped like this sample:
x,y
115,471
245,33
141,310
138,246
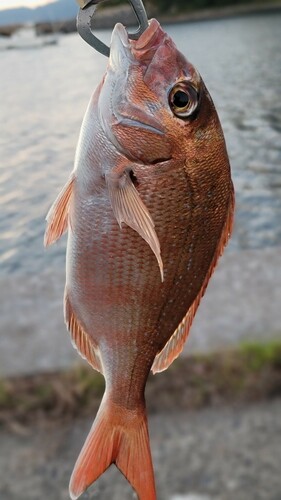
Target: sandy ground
x,y
212,454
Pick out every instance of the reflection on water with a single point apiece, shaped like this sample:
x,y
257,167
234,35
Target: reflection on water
x,y
43,97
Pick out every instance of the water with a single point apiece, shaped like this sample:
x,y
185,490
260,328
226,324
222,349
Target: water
x,y
44,94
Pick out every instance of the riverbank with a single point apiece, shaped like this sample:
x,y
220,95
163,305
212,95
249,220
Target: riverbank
x,y
213,420
235,10
251,373
107,17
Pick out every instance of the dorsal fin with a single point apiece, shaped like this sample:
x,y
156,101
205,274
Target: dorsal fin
x,y
176,342
57,217
80,339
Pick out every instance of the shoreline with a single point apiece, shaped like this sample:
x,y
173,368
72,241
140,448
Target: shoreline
x,y
218,13
108,17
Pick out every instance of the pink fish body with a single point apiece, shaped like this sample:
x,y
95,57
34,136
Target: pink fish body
x,y
149,209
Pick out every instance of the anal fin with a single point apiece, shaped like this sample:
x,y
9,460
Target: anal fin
x,y
58,215
80,339
129,208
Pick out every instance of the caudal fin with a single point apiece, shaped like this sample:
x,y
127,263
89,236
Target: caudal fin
x,y
118,436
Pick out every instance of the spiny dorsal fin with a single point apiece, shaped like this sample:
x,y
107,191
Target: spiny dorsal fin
x,y
176,342
80,339
57,218
129,208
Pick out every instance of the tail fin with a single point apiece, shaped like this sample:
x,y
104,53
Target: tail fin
x,y
118,436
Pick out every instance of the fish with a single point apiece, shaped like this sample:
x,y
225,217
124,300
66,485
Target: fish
x,y
149,210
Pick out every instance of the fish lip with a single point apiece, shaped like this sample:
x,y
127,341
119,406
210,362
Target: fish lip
x,y
120,34
147,37
120,49
120,31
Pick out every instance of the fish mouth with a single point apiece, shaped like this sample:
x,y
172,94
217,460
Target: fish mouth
x,y
149,125
121,58
150,38
122,49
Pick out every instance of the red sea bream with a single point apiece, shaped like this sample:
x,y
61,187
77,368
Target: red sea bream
x,y
149,210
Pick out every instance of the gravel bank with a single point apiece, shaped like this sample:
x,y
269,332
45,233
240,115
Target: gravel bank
x,y
214,454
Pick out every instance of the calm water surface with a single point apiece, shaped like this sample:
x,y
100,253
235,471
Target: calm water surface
x,y
44,93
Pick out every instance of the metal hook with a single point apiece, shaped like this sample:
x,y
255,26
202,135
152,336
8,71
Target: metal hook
x,y
84,23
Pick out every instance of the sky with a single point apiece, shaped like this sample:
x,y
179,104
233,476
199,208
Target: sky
x,y
10,4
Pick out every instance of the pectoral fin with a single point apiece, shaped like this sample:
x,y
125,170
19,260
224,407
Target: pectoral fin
x,y
129,208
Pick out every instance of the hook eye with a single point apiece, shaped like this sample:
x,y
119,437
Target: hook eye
x,y
86,14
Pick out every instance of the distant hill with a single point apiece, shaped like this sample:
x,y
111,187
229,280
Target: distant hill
x,y
59,10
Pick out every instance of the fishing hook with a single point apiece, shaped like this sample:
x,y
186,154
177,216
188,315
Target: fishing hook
x,y
86,14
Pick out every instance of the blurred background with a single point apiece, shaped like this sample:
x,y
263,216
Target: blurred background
x,y
216,414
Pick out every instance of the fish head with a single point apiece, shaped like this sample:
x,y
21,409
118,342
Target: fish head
x,y
153,104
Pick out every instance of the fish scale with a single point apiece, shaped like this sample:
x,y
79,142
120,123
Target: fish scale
x,y
151,158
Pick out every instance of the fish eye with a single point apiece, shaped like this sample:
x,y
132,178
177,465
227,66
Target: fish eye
x,y
183,99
